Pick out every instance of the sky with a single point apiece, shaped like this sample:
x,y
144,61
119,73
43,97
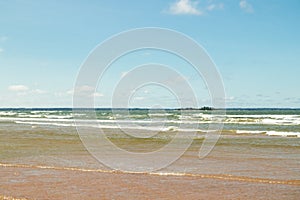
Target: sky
x,y
254,44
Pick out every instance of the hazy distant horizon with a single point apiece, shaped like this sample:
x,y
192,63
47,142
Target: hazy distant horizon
x,y
145,108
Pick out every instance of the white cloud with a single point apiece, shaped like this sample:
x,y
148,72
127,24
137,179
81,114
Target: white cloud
x,y
22,90
70,92
212,7
85,91
247,7
1,50
139,98
38,91
97,94
18,88
184,7
230,98
86,88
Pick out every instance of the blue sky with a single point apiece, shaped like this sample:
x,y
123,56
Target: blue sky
x,y
255,45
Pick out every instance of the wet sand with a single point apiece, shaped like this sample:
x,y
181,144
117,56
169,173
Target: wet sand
x,y
32,183
53,164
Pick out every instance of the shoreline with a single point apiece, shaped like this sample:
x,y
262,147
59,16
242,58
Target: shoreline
x,y
73,184
46,161
226,177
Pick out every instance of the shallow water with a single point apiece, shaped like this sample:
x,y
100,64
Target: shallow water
x,y
245,157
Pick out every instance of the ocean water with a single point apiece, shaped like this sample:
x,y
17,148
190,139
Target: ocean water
x,y
269,122
260,145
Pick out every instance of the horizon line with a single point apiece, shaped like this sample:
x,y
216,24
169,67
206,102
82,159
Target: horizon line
x,y
146,108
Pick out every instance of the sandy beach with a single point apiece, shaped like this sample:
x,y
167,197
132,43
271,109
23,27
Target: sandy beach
x,y
49,162
32,183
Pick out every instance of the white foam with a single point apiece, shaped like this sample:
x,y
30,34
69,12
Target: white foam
x,y
44,111
32,119
95,124
170,128
43,123
68,118
270,133
113,125
58,116
285,120
7,113
160,114
29,116
249,131
263,119
283,134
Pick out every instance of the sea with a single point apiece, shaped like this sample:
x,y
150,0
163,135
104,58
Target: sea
x,y
255,145
262,121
